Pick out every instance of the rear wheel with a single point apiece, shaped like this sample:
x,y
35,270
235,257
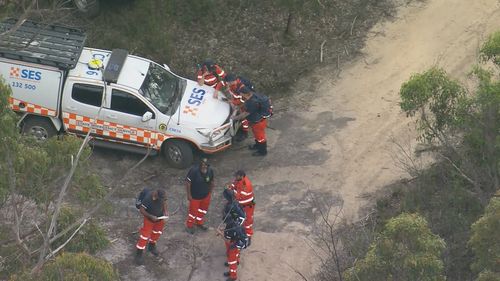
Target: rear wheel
x,y
178,153
39,128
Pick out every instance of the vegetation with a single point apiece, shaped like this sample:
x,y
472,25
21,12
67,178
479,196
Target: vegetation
x,y
31,176
459,127
73,267
406,249
485,242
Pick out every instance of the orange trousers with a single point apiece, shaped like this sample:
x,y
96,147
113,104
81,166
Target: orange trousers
x,y
197,211
149,233
233,258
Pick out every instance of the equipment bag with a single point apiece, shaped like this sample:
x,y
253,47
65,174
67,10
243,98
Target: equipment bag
x,y
140,197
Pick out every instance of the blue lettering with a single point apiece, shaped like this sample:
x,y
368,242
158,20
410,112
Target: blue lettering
x,y
198,91
195,102
31,74
196,96
99,56
24,73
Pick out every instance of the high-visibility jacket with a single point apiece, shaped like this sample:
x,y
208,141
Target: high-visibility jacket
x,y
215,80
243,191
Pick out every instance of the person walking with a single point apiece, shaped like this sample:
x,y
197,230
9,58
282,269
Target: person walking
x,y
243,192
199,186
153,207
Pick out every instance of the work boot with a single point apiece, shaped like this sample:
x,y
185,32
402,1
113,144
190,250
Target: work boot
x,y
226,274
254,146
139,259
261,149
230,279
189,230
202,227
152,249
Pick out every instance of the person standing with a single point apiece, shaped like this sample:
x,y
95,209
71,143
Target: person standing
x,y
153,207
199,186
235,240
257,109
233,84
243,192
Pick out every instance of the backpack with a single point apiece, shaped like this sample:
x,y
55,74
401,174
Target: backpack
x,y
265,106
140,197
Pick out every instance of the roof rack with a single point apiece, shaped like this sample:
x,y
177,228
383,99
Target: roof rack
x,y
41,43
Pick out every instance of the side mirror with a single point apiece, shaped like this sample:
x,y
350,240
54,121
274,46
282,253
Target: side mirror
x,y
166,67
147,116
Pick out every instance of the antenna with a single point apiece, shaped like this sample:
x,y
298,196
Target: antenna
x,y
179,114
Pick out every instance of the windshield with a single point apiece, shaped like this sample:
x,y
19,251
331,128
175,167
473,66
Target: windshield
x,y
160,87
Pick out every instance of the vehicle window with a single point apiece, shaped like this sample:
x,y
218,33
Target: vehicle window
x,y
87,94
127,103
162,88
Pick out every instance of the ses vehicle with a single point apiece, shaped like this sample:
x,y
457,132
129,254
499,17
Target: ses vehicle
x,y
125,101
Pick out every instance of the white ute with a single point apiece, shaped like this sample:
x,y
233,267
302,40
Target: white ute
x,y
127,102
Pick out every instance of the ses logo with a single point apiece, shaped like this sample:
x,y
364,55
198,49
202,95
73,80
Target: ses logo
x,y
16,72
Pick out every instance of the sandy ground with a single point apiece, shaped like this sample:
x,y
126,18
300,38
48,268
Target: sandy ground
x,y
333,142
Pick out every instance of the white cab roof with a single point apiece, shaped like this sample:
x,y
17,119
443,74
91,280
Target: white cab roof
x,y
132,74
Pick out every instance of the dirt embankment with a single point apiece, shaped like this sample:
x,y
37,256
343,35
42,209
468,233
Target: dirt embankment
x,y
333,142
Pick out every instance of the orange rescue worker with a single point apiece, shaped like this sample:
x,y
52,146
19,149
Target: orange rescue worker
x,y
153,206
211,75
243,192
234,83
257,109
235,240
199,186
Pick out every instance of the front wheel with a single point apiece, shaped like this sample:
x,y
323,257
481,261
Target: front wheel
x,y
178,153
39,128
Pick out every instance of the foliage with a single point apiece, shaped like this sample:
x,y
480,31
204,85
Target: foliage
x,y
491,48
91,238
488,276
485,239
444,199
128,34
73,267
437,98
405,250
8,136
32,174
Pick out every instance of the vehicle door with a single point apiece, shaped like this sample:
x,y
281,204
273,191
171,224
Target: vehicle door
x,y
80,105
126,119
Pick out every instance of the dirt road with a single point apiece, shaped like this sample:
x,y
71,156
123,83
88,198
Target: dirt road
x,y
333,143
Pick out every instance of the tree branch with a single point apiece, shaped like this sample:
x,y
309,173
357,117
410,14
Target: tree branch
x,y
67,241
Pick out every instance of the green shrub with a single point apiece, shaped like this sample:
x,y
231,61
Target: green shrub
x,y
79,267
405,250
91,238
485,239
491,48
